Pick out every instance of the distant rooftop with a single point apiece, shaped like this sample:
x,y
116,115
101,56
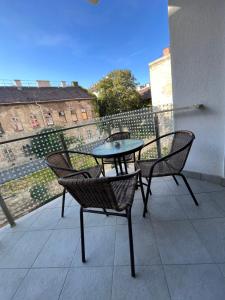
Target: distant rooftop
x,y
35,83
145,91
17,92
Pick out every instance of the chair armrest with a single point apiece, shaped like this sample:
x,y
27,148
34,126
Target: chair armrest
x,y
84,173
84,153
51,166
124,177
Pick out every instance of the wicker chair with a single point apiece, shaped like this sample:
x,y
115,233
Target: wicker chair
x,y
60,163
122,135
114,193
171,164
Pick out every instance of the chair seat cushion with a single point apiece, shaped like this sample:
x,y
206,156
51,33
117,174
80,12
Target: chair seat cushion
x,y
162,168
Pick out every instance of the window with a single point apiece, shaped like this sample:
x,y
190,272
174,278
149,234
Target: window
x,y
9,155
1,130
34,121
84,114
89,134
62,116
27,150
48,119
74,115
17,125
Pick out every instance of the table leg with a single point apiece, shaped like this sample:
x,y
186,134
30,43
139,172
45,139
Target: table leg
x,y
120,165
116,167
125,164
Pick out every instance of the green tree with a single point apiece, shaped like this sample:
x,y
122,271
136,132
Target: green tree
x,y
117,93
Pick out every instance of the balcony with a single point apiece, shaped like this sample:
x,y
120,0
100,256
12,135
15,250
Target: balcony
x,y
179,249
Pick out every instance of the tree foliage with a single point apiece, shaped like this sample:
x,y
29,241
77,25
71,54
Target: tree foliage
x,y
117,93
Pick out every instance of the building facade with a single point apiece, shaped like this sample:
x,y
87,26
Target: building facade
x,y
27,110
145,93
161,79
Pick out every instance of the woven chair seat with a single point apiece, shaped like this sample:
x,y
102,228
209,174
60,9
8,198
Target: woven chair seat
x,y
101,192
95,171
162,168
124,192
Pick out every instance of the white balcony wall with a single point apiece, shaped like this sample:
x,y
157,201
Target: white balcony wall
x,y
197,33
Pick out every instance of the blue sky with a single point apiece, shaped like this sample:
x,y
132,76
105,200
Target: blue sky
x,y
75,40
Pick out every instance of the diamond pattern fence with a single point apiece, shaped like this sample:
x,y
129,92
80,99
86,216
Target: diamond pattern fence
x,y
26,182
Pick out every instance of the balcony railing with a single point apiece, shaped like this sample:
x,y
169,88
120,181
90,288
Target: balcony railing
x,y
27,183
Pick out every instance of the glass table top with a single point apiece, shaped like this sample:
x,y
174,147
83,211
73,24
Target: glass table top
x,y
117,148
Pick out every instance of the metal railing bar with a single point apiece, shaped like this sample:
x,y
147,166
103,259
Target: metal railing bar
x,y
6,212
102,120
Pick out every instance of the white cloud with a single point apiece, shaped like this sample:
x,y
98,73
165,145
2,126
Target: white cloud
x,y
51,40
43,39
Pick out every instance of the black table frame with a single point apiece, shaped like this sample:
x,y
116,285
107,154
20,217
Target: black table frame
x,y
118,156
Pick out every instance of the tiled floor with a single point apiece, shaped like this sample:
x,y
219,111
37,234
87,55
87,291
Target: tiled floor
x,y
179,250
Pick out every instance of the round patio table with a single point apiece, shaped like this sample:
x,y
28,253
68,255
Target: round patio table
x,y
118,150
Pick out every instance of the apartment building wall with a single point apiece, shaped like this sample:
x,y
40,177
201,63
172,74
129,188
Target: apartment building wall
x,y
197,32
29,118
161,79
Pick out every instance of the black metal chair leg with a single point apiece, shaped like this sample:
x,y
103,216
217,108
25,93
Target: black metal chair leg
x,y
105,211
190,190
147,196
103,168
142,191
150,191
131,242
63,202
174,177
82,235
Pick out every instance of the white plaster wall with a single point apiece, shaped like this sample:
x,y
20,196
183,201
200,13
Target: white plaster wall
x,y
161,81
197,33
